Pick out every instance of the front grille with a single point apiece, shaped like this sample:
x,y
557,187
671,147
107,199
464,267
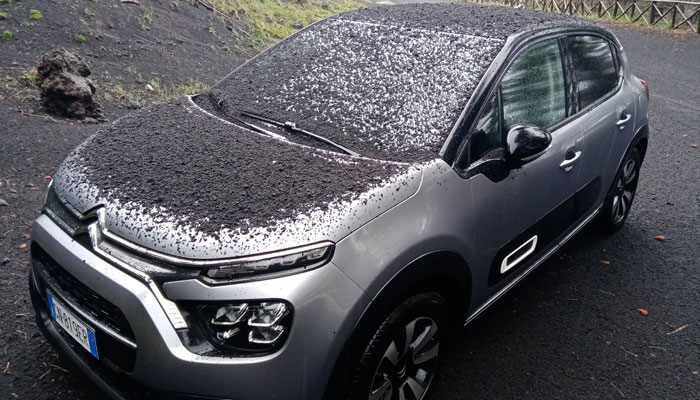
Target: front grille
x,y
77,293
73,292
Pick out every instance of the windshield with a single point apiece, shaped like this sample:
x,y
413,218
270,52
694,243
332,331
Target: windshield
x,y
386,92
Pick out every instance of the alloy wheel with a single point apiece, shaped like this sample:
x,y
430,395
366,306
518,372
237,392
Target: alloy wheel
x,y
624,191
408,365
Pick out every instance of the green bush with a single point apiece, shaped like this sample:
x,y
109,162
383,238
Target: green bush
x,y
35,15
7,35
80,39
3,15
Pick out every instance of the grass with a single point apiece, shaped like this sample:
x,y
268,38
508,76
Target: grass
x,y
272,20
88,12
160,93
3,15
35,15
28,78
80,39
6,35
166,92
21,86
147,17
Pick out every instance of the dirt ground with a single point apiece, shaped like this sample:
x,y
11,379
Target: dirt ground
x,y
170,45
572,331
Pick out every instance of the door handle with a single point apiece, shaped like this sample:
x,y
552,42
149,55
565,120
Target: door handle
x,y
568,164
625,118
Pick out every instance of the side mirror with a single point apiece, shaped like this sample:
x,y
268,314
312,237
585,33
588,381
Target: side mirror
x,y
526,143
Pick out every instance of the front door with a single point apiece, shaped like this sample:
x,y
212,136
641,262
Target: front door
x,y
520,212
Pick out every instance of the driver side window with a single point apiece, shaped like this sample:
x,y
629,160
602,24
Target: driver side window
x,y
531,93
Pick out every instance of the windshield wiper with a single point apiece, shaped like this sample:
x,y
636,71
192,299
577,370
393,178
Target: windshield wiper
x,y
292,127
256,128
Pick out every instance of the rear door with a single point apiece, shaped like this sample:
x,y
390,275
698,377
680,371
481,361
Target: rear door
x,y
604,110
519,212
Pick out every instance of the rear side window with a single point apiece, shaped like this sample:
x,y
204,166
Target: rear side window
x,y
594,68
532,90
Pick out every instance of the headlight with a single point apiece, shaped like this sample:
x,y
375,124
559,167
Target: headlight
x,y
250,327
285,262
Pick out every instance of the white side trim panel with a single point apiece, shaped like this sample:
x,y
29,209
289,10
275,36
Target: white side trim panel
x,y
508,264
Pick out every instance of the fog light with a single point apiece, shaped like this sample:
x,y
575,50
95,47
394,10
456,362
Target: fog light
x,y
267,314
229,315
265,335
249,326
227,334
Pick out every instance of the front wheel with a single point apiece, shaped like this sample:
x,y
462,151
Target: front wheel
x,y
400,361
617,205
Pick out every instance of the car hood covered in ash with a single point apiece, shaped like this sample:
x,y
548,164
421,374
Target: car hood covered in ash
x,y
178,180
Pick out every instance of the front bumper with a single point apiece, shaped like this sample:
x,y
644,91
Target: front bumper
x,y
326,304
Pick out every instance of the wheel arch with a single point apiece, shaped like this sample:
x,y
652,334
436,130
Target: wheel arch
x,y
641,141
445,272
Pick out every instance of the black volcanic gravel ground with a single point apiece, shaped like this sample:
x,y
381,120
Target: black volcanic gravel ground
x,y
192,167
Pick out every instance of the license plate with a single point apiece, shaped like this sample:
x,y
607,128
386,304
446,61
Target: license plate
x,y
77,329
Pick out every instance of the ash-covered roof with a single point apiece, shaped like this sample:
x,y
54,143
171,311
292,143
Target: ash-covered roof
x,y
386,82
495,22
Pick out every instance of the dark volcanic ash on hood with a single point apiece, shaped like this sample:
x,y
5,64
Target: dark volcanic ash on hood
x,y
386,92
178,180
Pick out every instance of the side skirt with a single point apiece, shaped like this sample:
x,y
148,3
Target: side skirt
x,y
531,268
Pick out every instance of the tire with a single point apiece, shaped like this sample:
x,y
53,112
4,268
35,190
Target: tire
x,y
621,195
390,363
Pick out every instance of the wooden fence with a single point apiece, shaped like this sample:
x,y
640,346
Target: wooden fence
x,y
666,13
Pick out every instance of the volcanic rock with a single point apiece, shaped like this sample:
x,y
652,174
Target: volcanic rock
x,y
65,88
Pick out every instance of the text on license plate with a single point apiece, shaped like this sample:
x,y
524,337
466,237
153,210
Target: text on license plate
x,y
76,328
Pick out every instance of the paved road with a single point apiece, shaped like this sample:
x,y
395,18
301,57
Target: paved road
x,y
571,331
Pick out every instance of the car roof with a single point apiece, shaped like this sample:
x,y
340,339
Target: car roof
x,y
489,21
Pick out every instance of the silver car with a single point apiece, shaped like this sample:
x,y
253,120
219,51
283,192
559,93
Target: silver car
x,y
316,223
